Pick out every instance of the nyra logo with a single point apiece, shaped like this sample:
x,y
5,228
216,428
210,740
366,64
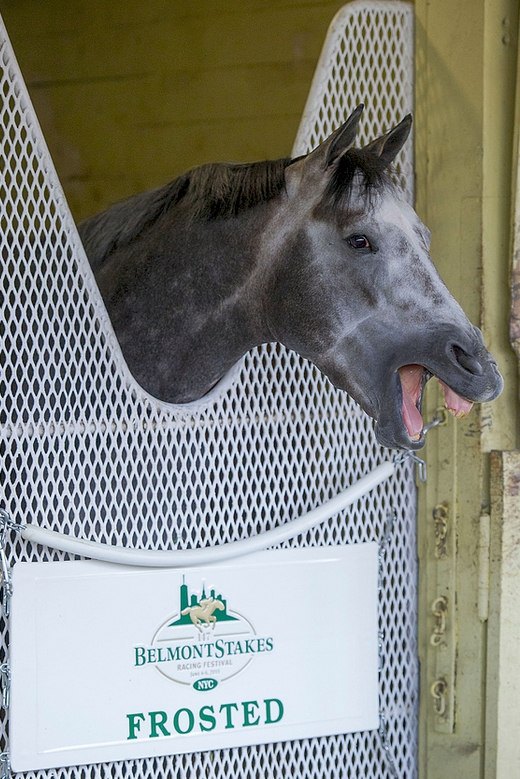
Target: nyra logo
x,y
203,643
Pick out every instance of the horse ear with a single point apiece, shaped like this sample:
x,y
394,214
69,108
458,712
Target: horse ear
x,y
343,138
340,140
388,146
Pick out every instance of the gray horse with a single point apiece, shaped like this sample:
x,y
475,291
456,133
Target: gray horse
x,y
320,253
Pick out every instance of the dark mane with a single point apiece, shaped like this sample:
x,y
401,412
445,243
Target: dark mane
x,y
221,191
374,177
212,191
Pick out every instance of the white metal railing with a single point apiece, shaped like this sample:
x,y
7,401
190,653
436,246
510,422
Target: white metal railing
x,y
203,556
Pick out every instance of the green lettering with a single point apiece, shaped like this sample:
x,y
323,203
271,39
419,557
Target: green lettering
x,y
157,720
249,707
176,721
134,725
229,717
269,718
208,717
140,658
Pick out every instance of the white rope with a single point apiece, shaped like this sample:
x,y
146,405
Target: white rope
x,y
208,555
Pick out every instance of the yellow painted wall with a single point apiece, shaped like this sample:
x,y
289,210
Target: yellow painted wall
x,y
131,93
466,81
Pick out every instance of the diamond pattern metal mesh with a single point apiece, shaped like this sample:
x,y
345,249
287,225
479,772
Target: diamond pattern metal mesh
x,y
367,58
85,451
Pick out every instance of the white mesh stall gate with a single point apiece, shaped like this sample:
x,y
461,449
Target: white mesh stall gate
x,y
85,451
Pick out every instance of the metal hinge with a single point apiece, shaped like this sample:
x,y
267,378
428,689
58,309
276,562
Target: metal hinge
x,y
386,744
443,631
6,587
5,766
5,682
5,571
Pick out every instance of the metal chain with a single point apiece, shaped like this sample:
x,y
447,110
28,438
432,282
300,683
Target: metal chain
x,y
5,766
401,457
440,418
6,583
386,745
408,454
383,725
7,523
5,682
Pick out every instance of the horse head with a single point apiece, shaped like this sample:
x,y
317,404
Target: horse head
x,y
355,291
321,253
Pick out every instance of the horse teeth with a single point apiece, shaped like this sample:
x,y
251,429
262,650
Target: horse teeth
x,y
460,414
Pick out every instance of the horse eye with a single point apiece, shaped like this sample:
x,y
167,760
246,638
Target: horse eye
x,y
359,242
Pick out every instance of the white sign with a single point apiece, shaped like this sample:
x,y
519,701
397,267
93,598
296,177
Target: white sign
x,y
115,663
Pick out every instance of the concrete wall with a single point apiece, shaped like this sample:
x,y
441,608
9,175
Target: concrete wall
x,y
129,94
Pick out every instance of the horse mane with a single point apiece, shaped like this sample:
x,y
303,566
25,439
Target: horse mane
x,y
220,191
208,192
360,165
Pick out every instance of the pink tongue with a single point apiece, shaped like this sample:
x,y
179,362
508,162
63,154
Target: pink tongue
x,y
411,379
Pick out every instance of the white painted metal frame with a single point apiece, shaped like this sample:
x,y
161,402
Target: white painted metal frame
x,y
212,554
86,452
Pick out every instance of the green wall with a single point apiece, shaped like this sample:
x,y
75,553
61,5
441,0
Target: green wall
x,y
129,94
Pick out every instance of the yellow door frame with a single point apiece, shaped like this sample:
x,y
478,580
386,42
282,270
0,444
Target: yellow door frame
x,y
466,55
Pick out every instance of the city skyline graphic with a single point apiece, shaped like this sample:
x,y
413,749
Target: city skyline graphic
x,y
191,600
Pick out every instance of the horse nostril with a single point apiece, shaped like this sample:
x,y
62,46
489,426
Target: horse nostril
x,y
469,363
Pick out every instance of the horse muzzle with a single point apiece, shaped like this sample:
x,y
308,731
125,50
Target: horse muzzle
x,y
466,372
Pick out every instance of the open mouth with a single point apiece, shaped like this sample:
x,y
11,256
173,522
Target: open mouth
x,y
413,381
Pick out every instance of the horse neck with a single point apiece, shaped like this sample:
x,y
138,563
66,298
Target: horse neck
x,y
226,257
218,284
